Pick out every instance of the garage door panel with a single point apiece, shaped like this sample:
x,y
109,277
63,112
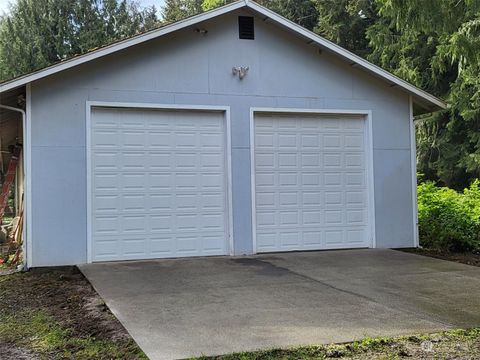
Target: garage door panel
x,y
334,238
311,161
134,181
310,182
288,199
267,241
210,142
106,204
312,218
160,181
211,161
133,139
333,180
357,178
310,179
133,203
266,200
159,140
212,201
107,249
159,184
105,139
312,199
211,181
106,183
310,141
106,225
134,247
106,161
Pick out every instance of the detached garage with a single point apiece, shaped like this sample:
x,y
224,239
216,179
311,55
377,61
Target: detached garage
x,y
233,132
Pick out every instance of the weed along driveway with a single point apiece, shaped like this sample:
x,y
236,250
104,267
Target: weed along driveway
x,y
212,306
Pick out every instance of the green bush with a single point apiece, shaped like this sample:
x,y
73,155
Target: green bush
x,y
449,220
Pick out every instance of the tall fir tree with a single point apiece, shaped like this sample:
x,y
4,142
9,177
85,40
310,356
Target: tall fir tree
x,y
175,10
435,44
345,22
302,12
38,33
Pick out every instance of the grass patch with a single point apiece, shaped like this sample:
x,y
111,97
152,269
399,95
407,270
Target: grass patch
x,y
455,344
55,314
41,334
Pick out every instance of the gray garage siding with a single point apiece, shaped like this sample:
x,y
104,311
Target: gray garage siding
x,y
189,68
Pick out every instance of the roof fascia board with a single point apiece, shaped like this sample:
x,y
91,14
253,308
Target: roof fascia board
x,y
124,44
347,55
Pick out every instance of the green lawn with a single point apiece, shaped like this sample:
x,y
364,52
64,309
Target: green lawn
x,y
455,344
56,314
38,333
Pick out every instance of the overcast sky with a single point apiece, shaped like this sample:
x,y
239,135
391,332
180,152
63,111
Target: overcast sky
x,y
157,3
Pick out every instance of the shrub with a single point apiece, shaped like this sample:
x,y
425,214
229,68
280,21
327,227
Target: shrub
x,y
449,220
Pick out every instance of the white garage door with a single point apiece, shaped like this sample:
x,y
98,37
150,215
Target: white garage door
x,y
310,182
158,184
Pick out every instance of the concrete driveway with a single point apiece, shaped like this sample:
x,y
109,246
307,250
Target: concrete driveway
x,y
211,306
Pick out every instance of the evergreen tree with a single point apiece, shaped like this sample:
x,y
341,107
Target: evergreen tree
x,y
302,12
38,33
212,4
175,10
345,22
435,44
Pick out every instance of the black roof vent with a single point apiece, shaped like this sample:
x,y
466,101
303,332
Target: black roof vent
x,y
246,28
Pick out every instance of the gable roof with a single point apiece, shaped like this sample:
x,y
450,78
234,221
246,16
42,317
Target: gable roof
x,y
422,98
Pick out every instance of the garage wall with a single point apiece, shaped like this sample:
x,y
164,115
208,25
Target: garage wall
x,y
191,68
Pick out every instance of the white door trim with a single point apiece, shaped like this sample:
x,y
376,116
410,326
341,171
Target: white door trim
x,y
413,158
27,171
116,105
367,114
